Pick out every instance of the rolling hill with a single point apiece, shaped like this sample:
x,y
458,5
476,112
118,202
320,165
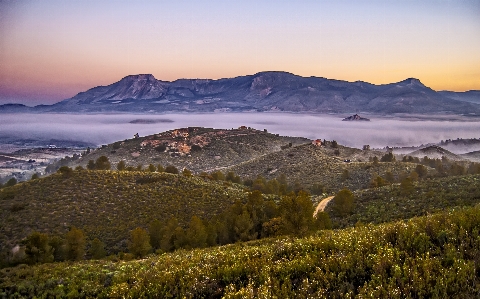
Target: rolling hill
x,y
107,204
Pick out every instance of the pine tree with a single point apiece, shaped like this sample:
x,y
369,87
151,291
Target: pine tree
x,y
343,203
196,233
121,166
75,244
139,243
38,249
155,231
97,249
297,213
102,163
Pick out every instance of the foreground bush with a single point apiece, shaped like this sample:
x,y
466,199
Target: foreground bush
x,y
436,256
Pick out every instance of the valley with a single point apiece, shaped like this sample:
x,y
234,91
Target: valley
x,y
197,189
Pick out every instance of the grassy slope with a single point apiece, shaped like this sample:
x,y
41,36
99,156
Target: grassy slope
x,y
107,204
311,165
389,203
226,148
434,256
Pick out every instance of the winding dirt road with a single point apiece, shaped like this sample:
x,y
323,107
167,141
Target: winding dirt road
x,y
321,205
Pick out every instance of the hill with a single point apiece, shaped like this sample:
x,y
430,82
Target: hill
x,y
107,204
472,156
435,152
264,91
332,167
198,149
432,256
395,202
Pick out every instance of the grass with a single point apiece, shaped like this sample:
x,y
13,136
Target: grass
x,y
435,256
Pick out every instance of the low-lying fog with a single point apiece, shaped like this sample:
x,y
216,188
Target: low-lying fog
x,y
102,129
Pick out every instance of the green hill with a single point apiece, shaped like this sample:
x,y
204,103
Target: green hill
x,y
309,165
437,256
198,149
108,204
394,202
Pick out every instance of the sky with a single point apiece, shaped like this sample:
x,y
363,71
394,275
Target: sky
x,y
50,50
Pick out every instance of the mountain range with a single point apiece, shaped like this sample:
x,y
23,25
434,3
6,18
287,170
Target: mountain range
x,y
264,91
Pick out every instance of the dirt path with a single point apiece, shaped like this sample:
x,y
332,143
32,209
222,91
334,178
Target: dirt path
x,y
321,205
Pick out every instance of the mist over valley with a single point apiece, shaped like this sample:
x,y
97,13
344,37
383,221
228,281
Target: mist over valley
x,y
98,129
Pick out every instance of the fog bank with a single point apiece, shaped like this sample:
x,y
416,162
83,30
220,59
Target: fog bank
x,y
102,129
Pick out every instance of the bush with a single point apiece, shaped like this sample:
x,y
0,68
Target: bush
x,y
343,203
171,169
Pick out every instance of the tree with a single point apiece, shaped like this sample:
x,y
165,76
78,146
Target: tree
x,y
421,170
388,157
75,244
168,235
151,168
231,177
334,144
272,227
38,249
180,238
244,227
97,249
377,181
389,177
322,221
91,165
218,175
406,186
35,176
11,182
343,203
58,246
297,213
186,172
139,243
196,233
121,166
160,168
65,171
171,169
155,231
102,163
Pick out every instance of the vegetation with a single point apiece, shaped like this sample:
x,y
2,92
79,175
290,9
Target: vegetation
x,y
434,256
108,204
410,199
176,220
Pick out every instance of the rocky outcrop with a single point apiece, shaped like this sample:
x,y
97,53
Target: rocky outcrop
x,y
355,117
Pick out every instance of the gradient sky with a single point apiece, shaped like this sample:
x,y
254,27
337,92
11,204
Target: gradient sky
x,y
51,50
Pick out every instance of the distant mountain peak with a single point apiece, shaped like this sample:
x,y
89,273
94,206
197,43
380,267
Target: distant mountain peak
x,y
412,81
148,77
263,91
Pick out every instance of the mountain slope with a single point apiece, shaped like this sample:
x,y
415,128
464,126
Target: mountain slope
x,y
198,149
265,91
309,165
435,152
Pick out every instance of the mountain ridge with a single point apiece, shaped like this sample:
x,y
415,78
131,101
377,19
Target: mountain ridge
x,y
263,91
